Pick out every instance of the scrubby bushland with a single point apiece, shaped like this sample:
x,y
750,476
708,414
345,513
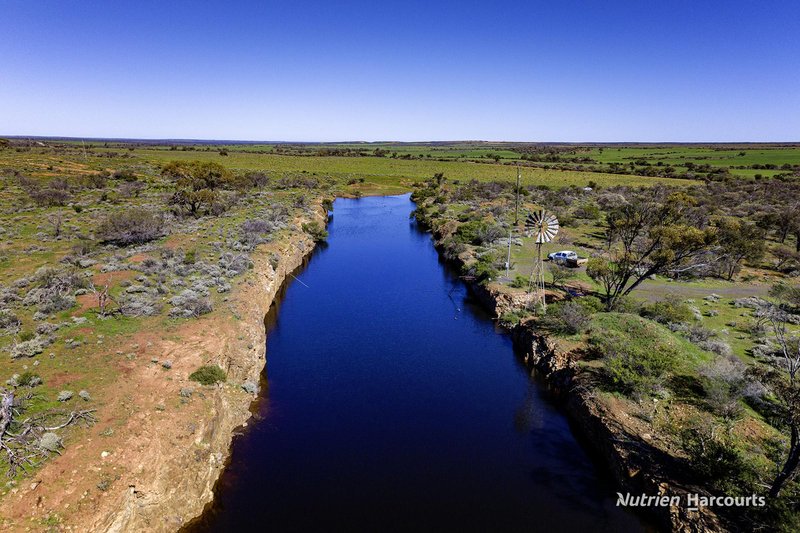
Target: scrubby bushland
x,y
296,182
718,460
9,321
737,241
560,273
256,179
54,289
141,304
208,375
479,232
131,226
234,264
484,268
48,194
199,187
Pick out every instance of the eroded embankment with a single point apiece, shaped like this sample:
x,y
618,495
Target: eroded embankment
x,y
635,465
182,485
161,441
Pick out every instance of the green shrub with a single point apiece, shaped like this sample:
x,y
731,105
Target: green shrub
x,y
717,460
520,282
317,232
190,257
25,336
483,269
592,304
131,226
670,310
567,317
470,232
29,378
208,375
637,354
451,248
512,318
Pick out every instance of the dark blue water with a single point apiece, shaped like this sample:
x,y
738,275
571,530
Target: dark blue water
x,y
392,403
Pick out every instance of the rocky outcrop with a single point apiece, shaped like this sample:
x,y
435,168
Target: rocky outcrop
x,y
637,466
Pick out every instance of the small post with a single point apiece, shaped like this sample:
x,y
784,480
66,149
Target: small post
x,y
508,257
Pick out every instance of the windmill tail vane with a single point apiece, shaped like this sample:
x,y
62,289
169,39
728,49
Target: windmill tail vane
x,y
543,226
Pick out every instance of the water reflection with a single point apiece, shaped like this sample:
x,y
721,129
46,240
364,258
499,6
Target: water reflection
x,y
393,404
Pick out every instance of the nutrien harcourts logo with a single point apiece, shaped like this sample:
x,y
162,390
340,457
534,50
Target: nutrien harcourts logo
x,y
693,502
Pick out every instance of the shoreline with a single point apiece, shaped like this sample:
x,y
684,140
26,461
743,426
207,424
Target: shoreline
x,y
182,483
633,467
165,457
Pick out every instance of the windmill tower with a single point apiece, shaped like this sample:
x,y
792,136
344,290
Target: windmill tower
x,y
543,226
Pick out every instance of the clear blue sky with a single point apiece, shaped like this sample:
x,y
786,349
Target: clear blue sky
x,y
372,70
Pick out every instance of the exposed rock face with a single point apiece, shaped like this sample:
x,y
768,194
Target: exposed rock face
x,y
637,467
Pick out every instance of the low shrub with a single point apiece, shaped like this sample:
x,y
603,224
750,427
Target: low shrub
x,y
592,304
520,282
670,310
483,269
638,354
317,232
474,232
190,304
29,379
132,226
725,385
208,375
8,320
567,317
717,460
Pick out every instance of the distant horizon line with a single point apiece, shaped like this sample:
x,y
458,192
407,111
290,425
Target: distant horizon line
x,y
186,140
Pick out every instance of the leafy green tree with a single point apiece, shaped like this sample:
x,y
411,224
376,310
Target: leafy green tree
x,y
198,175
737,241
197,183
648,235
196,202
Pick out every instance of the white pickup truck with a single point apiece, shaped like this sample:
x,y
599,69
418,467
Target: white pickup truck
x,y
565,257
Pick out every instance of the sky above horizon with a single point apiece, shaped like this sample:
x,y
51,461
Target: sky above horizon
x,y
570,71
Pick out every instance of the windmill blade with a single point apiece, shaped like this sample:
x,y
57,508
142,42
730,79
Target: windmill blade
x,y
542,225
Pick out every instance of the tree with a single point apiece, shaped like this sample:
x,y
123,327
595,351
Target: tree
x,y
737,241
56,220
786,259
560,274
785,385
198,175
132,226
197,183
653,233
103,298
194,201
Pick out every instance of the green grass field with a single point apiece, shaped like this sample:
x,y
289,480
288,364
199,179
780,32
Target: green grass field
x,y
385,167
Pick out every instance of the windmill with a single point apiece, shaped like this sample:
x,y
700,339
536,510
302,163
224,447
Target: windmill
x,y
543,226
